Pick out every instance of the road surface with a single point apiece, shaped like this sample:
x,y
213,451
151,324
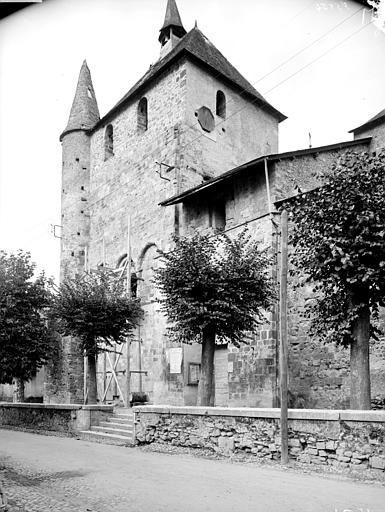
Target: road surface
x,y
44,473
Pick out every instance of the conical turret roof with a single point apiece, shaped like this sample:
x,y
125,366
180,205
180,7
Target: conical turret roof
x,y
84,112
172,20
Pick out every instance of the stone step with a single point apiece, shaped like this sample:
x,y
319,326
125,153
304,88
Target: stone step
x,y
117,426
103,437
111,430
122,421
123,415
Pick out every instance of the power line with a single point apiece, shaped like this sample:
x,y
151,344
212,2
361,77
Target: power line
x,y
190,127
252,101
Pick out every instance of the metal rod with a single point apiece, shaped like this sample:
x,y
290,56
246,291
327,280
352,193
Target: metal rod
x,y
268,188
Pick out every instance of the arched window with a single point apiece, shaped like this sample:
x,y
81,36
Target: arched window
x,y
122,274
109,142
221,105
142,115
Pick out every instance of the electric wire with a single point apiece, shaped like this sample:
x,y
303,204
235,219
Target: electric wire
x,y
191,127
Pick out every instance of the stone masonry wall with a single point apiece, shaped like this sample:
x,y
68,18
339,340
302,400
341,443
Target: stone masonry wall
x,y
128,183
319,374
344,439
59,418
246,132
252,373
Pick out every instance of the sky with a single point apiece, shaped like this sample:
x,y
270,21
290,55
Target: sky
x,y
321,63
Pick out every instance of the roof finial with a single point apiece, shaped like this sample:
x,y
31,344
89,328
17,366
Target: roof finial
x,y
172,21
196,24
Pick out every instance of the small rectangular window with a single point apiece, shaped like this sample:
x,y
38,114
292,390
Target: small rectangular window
x,y
217,215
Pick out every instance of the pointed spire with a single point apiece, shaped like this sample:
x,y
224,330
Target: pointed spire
x,y
172,21
84,112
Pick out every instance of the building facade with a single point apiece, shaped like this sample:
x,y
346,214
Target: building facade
x,y
157,165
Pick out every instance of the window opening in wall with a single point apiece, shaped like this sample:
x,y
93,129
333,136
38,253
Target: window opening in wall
x,y
217,215
77,159
89,93
134,278
109,142
221,105
142,115
81,188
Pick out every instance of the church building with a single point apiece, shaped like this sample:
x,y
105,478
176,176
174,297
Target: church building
x,y
191,146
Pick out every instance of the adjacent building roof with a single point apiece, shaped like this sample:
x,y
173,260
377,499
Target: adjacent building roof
x,y
84,112
377,119
197,47
180,198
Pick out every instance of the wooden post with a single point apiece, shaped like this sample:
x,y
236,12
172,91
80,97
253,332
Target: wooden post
x,y
128,290
104,354
283,359
85,391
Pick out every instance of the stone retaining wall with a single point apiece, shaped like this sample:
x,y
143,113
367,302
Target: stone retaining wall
x,y
340,438
67,418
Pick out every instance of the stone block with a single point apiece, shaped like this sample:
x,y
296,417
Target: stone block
x,y
225,445
320,445
312,451
377,462
330,445
294,443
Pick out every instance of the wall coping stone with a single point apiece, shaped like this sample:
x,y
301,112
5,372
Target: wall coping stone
x,y
353,415
293,414
71,407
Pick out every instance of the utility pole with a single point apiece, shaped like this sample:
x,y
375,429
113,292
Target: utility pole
x,y
283,359
128,290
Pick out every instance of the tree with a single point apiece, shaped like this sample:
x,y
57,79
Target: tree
x,y
338,238
95,309
214,290
25,340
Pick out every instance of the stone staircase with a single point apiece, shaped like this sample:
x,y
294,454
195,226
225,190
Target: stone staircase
x,y
118,429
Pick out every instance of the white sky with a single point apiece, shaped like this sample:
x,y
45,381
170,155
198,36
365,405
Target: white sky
x,y
42,48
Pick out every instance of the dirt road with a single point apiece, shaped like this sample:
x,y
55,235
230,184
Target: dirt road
x,y
44,473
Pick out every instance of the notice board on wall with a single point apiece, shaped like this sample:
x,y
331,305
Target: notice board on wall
x,y
175,359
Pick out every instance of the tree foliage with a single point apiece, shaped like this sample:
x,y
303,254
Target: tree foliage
x,y
215,283
338,238
26,343
95,308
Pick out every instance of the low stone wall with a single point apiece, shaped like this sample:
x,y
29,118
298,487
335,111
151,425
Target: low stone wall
x,y
67,418
339,438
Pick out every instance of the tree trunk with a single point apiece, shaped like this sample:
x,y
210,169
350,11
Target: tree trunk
x,y
92,396
359,362
20,390
206,381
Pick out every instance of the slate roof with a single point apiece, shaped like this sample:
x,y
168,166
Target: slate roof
x,y
84,111
197,47
172,19
180,198
377,119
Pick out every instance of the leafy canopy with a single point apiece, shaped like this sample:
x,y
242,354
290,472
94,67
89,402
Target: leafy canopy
x,y
95,308
338,238
25,340
215,283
